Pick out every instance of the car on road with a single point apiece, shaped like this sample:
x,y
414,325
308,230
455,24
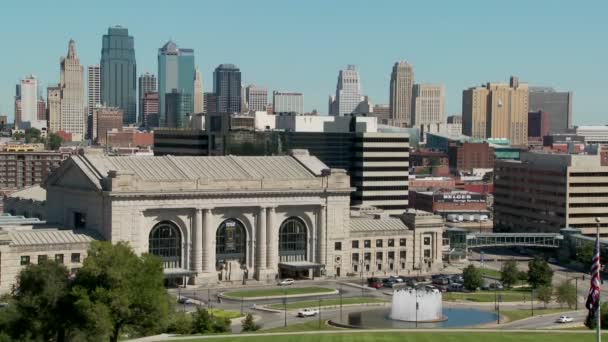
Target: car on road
x,y
565,319
185,300
286,281
496,286
308,312
376,285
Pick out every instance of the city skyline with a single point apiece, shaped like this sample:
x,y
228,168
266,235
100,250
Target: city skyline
x,y
457,63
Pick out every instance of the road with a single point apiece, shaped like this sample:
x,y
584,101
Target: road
x,y
546,321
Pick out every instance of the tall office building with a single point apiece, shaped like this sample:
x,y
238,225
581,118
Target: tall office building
x,y
348,92
257,98
497,110
287,102
402,83
93,90
428,102
29,100
53,98
199,105
106,119
146,84
227,88
557,105
178,107
176,73
41,109
119,72
72,113
150,110
210,103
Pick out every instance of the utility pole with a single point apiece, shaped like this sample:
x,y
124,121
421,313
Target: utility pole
x,y
532,302
340,302
319,313
285,305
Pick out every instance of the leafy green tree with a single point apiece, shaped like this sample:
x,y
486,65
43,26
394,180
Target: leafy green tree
x,y
565,293
509,273
181,323
123,290
472,278
544,293
249,324
54,141
40,299
539,272
18,136
202,322
221,324
584,254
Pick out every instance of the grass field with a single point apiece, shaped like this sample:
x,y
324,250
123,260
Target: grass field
x,y
308,326
279,291
488,272
327,302
511,295
225,313
514,315
411,336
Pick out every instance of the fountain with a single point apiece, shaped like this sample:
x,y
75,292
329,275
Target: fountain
x,y
417,304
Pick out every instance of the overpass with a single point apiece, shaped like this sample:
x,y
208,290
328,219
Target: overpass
x,y
548,240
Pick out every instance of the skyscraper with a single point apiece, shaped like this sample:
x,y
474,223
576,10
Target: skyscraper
x,y
428,104
227,88
41,109
402,82
257,97
287,102
94,87
53,98
178,107
557,105
118,72
198,92
175,72
348,92
150,110
147,84
497,110
72,115
29,100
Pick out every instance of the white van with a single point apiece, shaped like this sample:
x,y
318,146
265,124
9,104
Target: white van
x,y
460,218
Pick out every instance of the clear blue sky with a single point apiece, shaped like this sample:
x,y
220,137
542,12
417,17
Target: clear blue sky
x,y
301,45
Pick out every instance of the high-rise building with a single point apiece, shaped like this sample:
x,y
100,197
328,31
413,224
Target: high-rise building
x,y
287,102
119,72
545,192
53,98
428,102
41,110
150,110
382,112
210,103
257,98
497,110
348,92
178,106
557,105
455,119
176,73
199,105
93,87
29,100
73,119
17,112
402,83
147,84
107,119
227,88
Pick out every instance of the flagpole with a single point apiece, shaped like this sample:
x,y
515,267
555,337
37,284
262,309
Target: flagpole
x,y
599,302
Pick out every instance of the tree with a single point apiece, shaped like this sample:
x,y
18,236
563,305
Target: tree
x,y
544,293
41,304
565,293
584,254
201,322
472,278
249,324
509,273
181,323
122,290
539,272
54,141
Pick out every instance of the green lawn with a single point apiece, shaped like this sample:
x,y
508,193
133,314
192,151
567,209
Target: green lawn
x,y
327,302
488,272
514,315
511,295
225,313
412,336
308,326
279,291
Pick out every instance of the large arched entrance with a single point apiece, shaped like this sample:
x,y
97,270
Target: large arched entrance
x,y
231,242
165,241
292,240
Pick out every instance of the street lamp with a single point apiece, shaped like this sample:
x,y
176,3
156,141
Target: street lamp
x,y
285,304
340,302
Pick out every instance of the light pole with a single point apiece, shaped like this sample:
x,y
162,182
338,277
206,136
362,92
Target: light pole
x,y
417,305
599,302
319,313
340,302
285,304
499,298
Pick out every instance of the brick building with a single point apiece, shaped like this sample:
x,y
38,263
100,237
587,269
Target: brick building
x,y
429,162
446,202
107,119
23,169
470,155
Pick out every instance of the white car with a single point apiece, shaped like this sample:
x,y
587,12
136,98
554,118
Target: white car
x,y
308,313
286,281
564,319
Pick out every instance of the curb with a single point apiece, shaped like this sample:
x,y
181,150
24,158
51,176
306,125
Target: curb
x,y
303,295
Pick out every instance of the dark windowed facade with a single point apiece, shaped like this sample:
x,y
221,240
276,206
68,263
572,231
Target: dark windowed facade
x,y
165,241
231,240
292,240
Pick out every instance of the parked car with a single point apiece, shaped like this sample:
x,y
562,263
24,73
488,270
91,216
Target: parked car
x,y
496,286
185,300
441,281
458,279
389,284
286,281
376,285
565,319
308,312
455,287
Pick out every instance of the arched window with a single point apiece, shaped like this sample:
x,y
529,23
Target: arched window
x,y
231,239
166,241
292,240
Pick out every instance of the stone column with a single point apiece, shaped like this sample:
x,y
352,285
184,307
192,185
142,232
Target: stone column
x,y
208,243
260,262
197,241
322,235
272,240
